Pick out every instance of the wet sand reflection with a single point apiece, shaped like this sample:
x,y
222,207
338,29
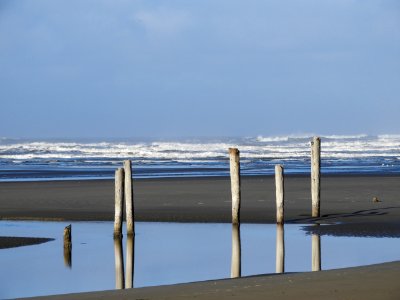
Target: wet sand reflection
x,y
316,252
280,248
236,252
124,280
119,264
130,261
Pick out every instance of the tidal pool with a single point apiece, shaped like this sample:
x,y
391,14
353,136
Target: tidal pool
x,y
168,253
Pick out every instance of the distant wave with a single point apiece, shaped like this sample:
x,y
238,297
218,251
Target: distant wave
x,y
389,136
340,153
344,137
272,139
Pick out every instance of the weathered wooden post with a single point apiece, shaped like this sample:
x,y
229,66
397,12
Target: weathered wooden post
x,y
68,246
315,252
236,270
280,248
119,263
315,176
119,202
279,189
234,161
130,225
130,261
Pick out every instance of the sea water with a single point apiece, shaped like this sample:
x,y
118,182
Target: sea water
x,y
168,253
22,160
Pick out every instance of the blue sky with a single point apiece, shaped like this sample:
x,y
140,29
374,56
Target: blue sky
x,y
198,68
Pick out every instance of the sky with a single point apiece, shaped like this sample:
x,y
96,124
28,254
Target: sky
x,y
83,68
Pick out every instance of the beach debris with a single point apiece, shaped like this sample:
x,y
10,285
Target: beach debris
x,y
375,200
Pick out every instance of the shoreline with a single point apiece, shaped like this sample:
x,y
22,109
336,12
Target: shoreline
x,y
199,177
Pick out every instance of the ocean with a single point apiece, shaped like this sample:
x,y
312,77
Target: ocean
x,y
34,160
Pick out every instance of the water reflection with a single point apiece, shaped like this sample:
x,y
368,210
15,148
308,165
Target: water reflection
x,y
236,252
124,280
197,252
280,248
119,263
316,252
130,261
68,257
68,246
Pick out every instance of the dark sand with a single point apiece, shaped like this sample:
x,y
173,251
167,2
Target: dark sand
x,y
12,241
370,282
344,199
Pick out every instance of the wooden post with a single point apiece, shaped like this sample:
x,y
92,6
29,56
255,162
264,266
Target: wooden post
x,y
119,263
67,237
119,202
130,225
315,176
279,188
280,248
68,246
316,252
130,261
234,161
236,270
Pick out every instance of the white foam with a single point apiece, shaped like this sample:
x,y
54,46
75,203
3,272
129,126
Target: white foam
x,y
344,137
272,139
282,148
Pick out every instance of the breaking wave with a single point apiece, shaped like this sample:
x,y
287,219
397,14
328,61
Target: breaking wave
x,y
20,159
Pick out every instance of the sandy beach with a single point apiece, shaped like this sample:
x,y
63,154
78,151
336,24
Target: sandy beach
x,y
370,282
347,200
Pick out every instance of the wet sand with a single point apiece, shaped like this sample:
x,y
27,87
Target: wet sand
x,y
12,242
345,199
370,282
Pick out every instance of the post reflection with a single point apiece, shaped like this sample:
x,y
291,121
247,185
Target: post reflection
x,y
280,248
68,246
316,252
68,257
119,264
236,252
130,261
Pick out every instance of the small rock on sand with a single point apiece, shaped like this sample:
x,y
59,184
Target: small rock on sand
x,y
375,199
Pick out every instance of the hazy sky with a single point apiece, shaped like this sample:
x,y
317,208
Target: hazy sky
x,y
198,68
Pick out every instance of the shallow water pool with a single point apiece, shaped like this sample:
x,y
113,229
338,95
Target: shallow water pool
x,y
167,253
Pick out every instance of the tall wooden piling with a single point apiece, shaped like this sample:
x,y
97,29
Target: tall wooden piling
x,y
119,263
280,248
130,225
119,202
234,162
279,190
68,246
236,265
315,176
